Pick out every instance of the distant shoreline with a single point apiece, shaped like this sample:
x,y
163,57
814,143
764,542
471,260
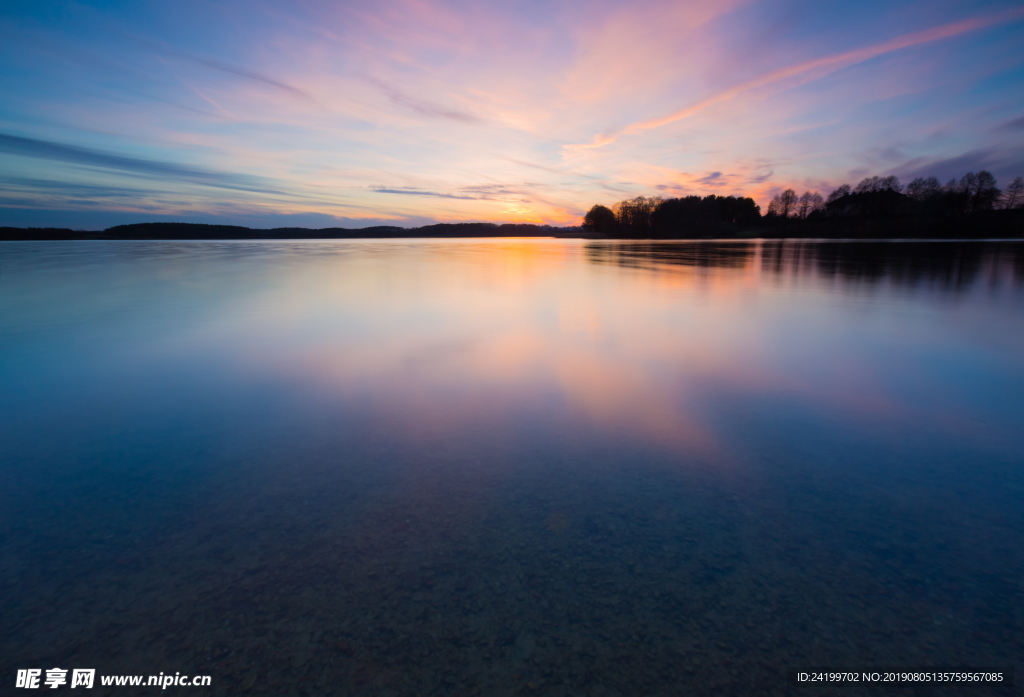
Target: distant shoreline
x,y
198,231
1003,225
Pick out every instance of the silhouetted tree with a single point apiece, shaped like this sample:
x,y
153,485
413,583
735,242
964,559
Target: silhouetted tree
x,y
952,199
738,210
876,206
866,185
601,220
922,189
711,216
810,202
634,215
843,190
965,191
1013,197
782,205
881,203
974,192
985,193
873,184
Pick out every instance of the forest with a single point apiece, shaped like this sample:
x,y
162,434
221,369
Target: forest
x,y
876,207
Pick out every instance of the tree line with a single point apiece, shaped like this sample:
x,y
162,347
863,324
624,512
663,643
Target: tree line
x,y
922,204
654,217
971,193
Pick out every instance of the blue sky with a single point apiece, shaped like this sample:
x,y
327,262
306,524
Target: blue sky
x,y
360,113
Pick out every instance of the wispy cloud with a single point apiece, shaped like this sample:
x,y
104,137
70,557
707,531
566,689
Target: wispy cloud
x,y
1011,126
422,192
713,179
66,188
459,111
552,170
48,150
955,167
472,192
250,75
494,190
807,70
174,53
424,107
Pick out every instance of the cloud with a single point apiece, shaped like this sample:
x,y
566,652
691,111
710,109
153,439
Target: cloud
x,y
425,108
478,192
1011,126
626,49
493,190
48,150
249,74
432,110
553,170
713,179
422,192
624,188
165,49
466,109
544,168
807,70
63,188
1002,163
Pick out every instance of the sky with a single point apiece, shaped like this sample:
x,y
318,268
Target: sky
x,y
407,112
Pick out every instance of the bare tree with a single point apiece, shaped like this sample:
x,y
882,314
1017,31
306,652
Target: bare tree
x,y
985,192
803,205
867,185
783,205
870,185
843,190
977,192
1013,197
922,189
890,183
810,201
968,183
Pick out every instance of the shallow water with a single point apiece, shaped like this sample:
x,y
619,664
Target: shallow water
x,y
511,467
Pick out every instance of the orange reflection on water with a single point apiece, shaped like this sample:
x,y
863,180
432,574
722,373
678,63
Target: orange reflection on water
x,y
635,341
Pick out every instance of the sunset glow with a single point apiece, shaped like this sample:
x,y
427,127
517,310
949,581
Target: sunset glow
x,y
406,112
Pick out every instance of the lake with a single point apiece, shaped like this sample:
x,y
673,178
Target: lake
x,y
511,467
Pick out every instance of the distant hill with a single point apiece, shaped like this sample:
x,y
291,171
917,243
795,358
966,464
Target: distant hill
x,y
196,231
877,215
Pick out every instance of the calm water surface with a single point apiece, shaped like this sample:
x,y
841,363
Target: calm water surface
x,y
510,467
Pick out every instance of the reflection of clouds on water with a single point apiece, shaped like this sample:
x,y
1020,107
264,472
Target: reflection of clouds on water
x,y
645,342
387,466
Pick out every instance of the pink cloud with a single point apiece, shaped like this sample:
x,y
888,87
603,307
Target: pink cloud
x,y
806,71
